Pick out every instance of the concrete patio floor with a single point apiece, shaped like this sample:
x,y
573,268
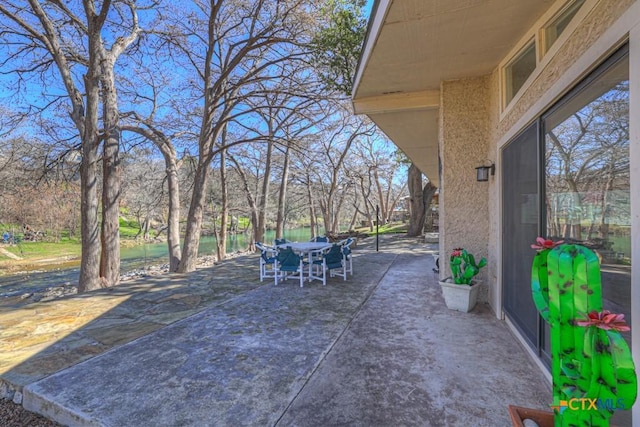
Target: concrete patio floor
x,y
217,348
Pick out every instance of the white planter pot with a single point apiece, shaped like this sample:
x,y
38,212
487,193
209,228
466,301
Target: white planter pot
x,y
460,297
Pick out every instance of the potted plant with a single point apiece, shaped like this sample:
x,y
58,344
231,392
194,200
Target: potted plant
x,y
460,291
591,364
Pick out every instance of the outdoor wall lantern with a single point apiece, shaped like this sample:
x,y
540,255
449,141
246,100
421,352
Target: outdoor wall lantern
x,y
482,172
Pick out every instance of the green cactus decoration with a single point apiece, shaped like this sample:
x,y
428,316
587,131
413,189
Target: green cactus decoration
x,y
592,367
463,266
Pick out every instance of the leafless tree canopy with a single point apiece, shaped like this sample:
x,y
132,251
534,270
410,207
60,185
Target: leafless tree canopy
x,y
182,117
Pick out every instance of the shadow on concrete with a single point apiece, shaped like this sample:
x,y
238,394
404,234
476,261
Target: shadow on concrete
x,y
218,347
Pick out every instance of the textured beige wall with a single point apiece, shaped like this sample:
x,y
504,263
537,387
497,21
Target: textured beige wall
x,y
463,145
493,256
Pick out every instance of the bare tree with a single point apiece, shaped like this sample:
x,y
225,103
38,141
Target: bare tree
x,y
83,45
288,118
221,233
142,188
383,165
228,47
147,128
339,131
162,111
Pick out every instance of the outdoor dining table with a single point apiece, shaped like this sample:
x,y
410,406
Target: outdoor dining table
x,y
308,249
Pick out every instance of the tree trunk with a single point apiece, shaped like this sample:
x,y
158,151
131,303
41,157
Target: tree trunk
x,y
366,193
221,238
90,256
111,181
251,200
325,209
173,222
87,123
282,197
337,211
312,209
381,199
261,224
416,202
173,187
100,265
354,218
194,220
420,199
147,225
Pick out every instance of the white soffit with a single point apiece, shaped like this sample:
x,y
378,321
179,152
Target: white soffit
x,y
423,42
416,134
413,45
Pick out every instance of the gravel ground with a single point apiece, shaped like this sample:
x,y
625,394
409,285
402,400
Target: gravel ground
x,y
12,415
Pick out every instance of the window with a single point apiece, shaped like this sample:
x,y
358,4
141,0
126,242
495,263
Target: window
x,y
518,70
558,24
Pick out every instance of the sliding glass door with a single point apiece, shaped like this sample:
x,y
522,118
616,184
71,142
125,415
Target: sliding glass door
x,y
587,187
521,226
567,177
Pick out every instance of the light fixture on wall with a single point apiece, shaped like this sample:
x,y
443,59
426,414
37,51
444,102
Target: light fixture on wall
x,y
482,172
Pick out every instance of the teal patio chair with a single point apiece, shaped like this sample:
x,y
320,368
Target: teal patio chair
x,y
267,260
317,256
333,260
288,262
347,257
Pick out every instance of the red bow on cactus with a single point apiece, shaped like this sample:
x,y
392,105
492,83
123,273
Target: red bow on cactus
x,y
605,320
546,244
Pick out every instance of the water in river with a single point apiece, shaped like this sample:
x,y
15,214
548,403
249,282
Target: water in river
x,y
132,258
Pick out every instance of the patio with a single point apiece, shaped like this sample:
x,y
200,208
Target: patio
x,y
220,348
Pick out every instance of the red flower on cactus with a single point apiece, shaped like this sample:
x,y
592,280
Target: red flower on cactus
x,y
605,320
546,244
456,252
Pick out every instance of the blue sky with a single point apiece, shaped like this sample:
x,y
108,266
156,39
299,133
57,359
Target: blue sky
x,y
368,7
34,92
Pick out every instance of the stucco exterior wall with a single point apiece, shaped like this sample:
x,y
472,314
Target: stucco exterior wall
x,y
494,204
464,135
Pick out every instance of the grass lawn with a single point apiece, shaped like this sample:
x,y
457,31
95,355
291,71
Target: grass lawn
x,y
34,250
31,253
391,228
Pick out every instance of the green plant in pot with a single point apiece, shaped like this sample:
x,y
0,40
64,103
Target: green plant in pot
x,y
591,365
463,266
459,291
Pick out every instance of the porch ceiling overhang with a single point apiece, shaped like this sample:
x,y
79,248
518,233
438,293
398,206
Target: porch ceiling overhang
x,y
413,45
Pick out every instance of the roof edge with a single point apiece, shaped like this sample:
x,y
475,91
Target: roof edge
x,y
375,20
